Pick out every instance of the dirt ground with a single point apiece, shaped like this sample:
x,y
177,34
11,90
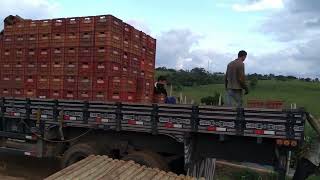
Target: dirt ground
x,y
14,167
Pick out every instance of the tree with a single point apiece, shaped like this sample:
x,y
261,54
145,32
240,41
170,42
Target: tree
x,y
253,83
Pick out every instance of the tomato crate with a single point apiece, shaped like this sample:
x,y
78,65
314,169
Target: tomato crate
x,y
70,94
56,93
30,68
144,86
43,93
7,54
126,43
6,92
56,82
127,30
133,72
30,81
149,74
18,67
72,39
100,67
151,43
57,68
70,82
86,23
72,24
6,80
17,81
126,59
114,96
30,92
8,29
114,55
20,27
85,66
86,51
43,82
114,69
85,95
6,67
20,40
84,82
135,35
115,83
19,53
100,51
136,48
57,39
31,54
32,27
8,40
58,25
100,82
44,54
18,92
129,84
128,96
86,39
71,51
70,68
103,38
57,53
44,68
44,26
144,38
99,95
44,40
108,22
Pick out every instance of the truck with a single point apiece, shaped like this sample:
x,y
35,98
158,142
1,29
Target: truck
x,y
170,137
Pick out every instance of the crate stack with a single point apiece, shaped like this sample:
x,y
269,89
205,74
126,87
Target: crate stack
x,y
96,58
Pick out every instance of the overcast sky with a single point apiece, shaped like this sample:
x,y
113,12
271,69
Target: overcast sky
x,y
280,36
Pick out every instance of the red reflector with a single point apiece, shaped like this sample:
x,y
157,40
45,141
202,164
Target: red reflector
x,y
66,117
11,113
211,128
259,132
98,120
168,125
131,122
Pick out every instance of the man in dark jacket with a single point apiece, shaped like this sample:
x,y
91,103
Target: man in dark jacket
x,y
235,81
159,87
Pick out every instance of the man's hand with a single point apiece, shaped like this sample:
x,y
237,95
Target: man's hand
x,y
246,91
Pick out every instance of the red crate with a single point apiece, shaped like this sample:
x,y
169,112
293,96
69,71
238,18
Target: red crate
x,y
114,55
43,93
99,95
56,93
44,68
18,68
6,92
20,27
127,43
149,74
85,95
71,52
108,22
84,82
133,72
127,30
19,53
87,23
57,39
31,54
30,81
151,43
86,39
100,67
70,82
135,35
30,92
57,54
58,25
6,67
18,81
107,38
129,84
274,104
136,48
70,68
8,29
30,68
6,80
43,82
20,40
72,24
7,54
44,26
32,27
56,82
72,39
44,54
70,94
86,52
44,40
128,96
114,96
85,66
126,59
114,69
144,38
18,92
145,86
115,83
8,40
100,51
100,82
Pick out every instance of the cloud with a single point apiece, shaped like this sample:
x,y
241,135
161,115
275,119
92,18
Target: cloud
x,y
258,5
140,25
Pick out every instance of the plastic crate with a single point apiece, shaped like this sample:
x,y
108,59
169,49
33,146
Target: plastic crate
x,y
128,97
57,68
31,68
17,81
56,93
127,43
70,67
86,52
43,93
86,23
144,38
44,54
30,81
20,40
129,84
135,35
114,69
108,22
57,54
19,53
20,27
32,27
127,30
136,48
6,67
86,39
8,40
72,24
44,68
84,82
85,95
57,39
100,82
114,55
18,68
7,54
44,26
85,66
100,67
44,40
6,92
56,82
114,96
99,95
31,54
6,80
115,83
72,39
58,25
43,82
151,43
18,92
70,82
71,51
70,94
107,38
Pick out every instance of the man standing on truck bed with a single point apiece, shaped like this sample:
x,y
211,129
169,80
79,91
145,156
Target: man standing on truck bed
x,y
235,80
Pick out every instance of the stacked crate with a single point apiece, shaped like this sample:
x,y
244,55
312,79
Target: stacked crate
x,y
96,58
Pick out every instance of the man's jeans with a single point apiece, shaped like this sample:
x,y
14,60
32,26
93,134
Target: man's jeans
x,y
234,96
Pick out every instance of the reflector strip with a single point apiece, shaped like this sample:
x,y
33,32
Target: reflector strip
x,y
221,129
269,132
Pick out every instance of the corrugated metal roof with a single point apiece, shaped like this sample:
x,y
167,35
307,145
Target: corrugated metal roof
x,y
103,167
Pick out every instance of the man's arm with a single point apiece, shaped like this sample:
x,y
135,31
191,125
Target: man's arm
x,y
242,78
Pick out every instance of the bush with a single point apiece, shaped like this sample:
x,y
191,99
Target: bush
x,y
253,83
212,100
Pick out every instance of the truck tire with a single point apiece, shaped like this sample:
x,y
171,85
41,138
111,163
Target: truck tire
x,y
76,153
148,158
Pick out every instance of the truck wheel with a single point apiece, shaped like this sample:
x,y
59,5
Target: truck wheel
x,y
148,158
76,153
